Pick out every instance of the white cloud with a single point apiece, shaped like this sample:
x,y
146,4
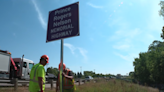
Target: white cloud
x,y
129,57
130,40
82,51
124,39
123,33
124,44
150,37
119,21
122,47
43,23
71,47
95,6
134,32
154,25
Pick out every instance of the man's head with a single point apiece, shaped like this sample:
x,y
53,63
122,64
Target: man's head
x,y
64,66
44,60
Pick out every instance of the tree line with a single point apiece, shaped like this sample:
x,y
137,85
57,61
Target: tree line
x,y
149,66
55,71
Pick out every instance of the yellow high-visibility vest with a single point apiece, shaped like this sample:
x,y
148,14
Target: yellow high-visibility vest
x,y
67,83
33,84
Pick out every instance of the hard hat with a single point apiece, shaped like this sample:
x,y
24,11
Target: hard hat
x,y
45,57
64,66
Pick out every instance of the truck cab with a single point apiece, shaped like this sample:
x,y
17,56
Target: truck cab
x,y
88,78
24,67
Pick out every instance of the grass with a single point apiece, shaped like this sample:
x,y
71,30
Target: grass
x,y
114,86
99,86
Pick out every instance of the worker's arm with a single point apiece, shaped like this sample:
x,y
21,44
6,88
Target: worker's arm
x,y
40,81
69,76
41,75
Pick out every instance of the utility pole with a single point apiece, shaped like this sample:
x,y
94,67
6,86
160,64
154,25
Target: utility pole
x,y
80,69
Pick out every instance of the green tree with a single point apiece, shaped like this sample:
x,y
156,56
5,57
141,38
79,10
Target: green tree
x,y
156,63
75,75
161,12
148,68
162,34
131,74
141,71
52,70
80,75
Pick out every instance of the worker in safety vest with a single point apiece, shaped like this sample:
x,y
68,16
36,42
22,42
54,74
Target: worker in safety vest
x,y
68,81
37,75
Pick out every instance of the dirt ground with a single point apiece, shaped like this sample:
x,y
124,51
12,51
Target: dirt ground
x,y
23,89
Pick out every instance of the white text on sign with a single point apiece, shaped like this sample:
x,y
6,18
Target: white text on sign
x,y
61,23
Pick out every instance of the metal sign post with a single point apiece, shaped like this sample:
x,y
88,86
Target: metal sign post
x,y
61,69
63,23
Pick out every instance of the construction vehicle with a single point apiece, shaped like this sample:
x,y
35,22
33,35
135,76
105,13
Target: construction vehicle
x,y
14,67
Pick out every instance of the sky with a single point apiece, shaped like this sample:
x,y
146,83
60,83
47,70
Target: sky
x,y
112,33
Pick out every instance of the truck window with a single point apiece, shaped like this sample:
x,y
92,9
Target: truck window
x,y
87,77
24,64
30,65
17,65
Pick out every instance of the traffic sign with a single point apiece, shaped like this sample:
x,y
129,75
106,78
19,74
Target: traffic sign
x,y
63,22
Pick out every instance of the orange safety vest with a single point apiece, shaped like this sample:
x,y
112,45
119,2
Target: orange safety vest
x,y
68,84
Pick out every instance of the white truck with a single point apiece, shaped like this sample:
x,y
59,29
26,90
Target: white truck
x,y
14,67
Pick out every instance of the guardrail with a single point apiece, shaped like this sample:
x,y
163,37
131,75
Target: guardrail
x,y
15,82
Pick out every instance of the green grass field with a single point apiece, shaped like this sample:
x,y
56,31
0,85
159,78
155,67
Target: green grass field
x,y
114,86
99,86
